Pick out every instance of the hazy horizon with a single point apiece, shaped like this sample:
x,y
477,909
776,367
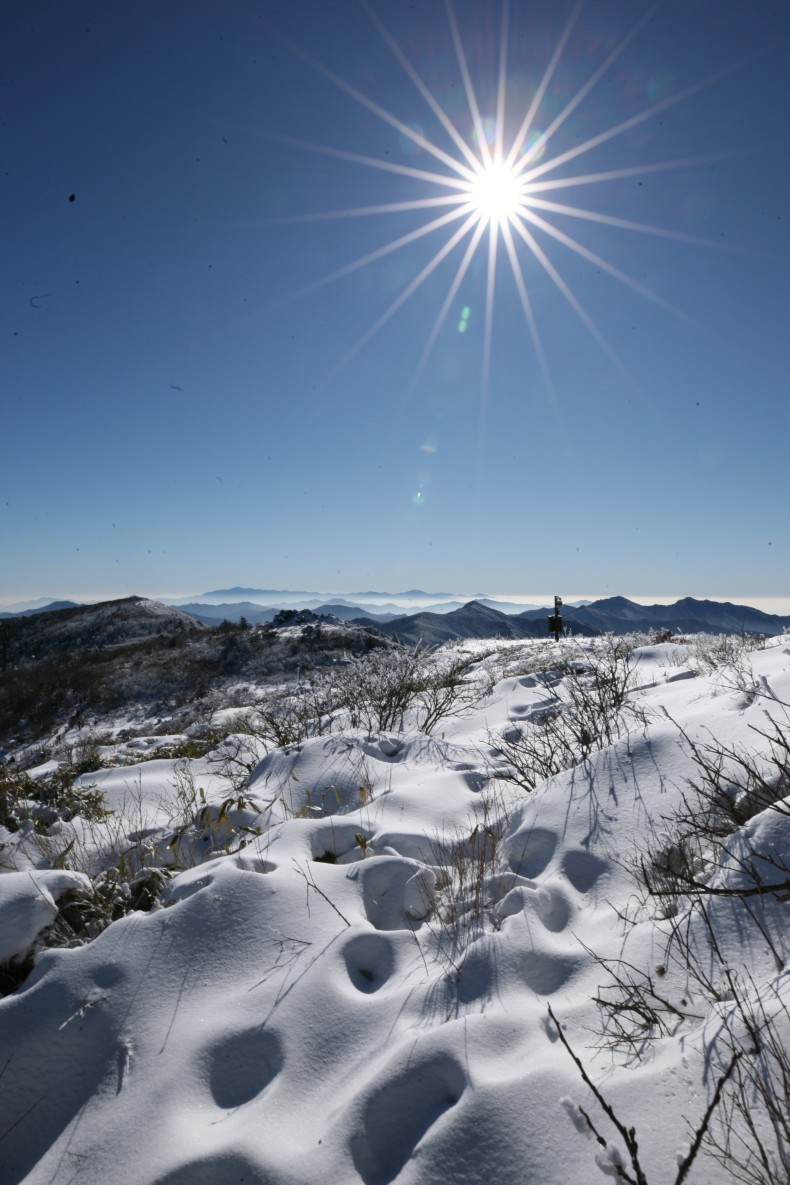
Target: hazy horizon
x,y
775,605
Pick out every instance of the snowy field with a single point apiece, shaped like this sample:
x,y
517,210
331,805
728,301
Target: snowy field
x,y
523,923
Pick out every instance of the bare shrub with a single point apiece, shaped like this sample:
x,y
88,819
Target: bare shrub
x,y
752,1140
732,785
714,651
583,713
705,856
470,882
378,689
292,714
610,1159
639,1007
449,688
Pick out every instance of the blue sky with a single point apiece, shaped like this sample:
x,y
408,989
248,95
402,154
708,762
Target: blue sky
x,y
185,406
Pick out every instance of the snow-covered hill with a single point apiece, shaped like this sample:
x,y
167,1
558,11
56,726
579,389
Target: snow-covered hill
x,y
359,973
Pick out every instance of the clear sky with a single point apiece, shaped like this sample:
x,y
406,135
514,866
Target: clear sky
x,y
205,383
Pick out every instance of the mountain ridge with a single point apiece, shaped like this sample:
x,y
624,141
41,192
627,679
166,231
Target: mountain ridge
x,y
615,615
475,618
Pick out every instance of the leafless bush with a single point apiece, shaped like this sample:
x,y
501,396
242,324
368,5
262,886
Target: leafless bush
x,y
610,1159
752,1140
470,882
705,857
714,651
290,715
732,785
639,1007
448,689
750,1133
583,713
521,659
378,689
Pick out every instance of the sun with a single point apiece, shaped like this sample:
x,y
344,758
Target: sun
x,y
497,192
487,185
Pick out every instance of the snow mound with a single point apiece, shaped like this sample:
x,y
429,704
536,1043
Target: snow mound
x,y
359,991
28,904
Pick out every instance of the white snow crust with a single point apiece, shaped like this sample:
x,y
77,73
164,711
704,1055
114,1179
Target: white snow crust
x,y
28,905
285,1020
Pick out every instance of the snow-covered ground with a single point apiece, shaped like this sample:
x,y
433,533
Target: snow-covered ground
x,y
351,979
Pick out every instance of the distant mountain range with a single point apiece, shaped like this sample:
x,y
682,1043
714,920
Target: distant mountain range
x,y
259,605
615,615
412,594
44,606
473,620
257,614
485,618
686,616
309,598
479,618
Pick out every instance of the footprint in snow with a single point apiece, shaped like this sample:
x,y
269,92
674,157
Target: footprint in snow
x,y
583,869
546,973
225,1169
399,1112
530,854
395,892
369,962
548,902
242,1066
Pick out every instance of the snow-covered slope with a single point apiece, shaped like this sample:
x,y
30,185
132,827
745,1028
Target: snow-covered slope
x,y
361,992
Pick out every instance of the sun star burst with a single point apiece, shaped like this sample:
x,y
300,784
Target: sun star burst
x,y
479,197
497,192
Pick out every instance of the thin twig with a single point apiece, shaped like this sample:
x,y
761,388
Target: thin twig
x,y
310,882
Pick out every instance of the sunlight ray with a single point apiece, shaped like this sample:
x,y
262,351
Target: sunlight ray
x,y
548,74
361,98
359,158
361,211
471,98
403,296
610,268
573,301
686,162
661,232
493,236
370,257
526,305
585,89
499,122
434,105
452,291
634,120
